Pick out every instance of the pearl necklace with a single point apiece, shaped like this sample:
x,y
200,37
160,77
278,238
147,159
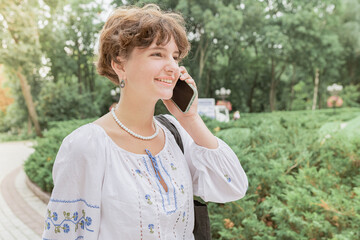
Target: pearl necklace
x,y
131,132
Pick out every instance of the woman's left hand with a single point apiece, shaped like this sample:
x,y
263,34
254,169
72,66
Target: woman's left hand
x,y
173,109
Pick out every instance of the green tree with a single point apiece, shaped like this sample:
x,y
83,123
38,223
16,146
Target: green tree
x,y
348,30
70,48
21,50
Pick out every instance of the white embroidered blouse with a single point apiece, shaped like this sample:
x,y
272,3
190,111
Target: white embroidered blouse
x,y
104,192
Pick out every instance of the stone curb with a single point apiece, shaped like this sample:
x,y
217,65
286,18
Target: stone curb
x,y
43,196
18,205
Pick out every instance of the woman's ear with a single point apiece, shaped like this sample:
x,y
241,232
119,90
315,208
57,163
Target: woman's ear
x,y
118,67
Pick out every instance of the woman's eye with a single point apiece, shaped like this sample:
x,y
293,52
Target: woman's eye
x,y
156,54
176,58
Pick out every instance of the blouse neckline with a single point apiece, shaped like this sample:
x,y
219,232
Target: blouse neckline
x,y
132,153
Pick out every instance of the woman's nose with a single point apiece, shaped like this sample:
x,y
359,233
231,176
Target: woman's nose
x,y
172,66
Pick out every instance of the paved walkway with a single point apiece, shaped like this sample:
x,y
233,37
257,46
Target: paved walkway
x,y
21,212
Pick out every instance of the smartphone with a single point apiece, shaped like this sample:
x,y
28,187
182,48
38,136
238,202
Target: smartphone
x,y
183,95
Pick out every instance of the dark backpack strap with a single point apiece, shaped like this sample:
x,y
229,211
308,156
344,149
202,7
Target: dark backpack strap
x,y
169,125
202,223
202,229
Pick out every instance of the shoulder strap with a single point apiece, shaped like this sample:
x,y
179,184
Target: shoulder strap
x,y
169,125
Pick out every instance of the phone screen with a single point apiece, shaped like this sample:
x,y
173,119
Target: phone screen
x,y
183,95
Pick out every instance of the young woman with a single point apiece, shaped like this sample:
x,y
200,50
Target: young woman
x,y
124,176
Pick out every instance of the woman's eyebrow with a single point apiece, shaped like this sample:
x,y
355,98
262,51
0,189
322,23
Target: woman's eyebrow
x,y
161,48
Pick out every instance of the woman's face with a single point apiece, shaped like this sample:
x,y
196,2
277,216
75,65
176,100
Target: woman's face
x,y
153,71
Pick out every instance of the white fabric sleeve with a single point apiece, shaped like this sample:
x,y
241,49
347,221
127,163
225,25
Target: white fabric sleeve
x,y
73,211
217,174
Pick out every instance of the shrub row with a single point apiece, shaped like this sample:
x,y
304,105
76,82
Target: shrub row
x,y
302,185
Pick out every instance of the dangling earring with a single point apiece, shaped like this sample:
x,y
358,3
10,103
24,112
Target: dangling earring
x,y
122,83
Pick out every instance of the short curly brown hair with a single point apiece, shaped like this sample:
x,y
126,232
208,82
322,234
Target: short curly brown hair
x,y
130,27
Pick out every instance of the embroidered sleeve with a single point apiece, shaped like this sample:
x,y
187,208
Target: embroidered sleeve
x,y
217,174
73,211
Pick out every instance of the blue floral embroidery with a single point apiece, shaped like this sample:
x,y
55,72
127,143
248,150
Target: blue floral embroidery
x,y
227,177
151,227
55,216
183,219
138,172
82,224
75,216
182,188
88,221
66,228
173,166
148,198
84,221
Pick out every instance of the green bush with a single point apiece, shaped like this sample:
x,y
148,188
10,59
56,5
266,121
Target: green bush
x,y
301,186
38,167
12,126
351,95
3,126
60,101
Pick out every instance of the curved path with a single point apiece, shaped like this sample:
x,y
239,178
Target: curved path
x,y
21,212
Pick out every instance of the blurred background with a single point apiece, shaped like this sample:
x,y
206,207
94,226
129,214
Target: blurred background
x,y
287,71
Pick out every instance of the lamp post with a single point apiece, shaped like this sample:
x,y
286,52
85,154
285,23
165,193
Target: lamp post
x,y
334,100
223,93
222,107
334,89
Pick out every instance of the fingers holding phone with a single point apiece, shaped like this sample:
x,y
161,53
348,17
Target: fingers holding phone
x,y
184,99
184,75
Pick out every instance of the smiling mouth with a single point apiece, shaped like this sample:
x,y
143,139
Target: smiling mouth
x,y
169,81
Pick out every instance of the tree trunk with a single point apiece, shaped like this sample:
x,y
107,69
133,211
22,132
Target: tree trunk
x,y
92,80
80,80
207,88
292,87
252,90
86,77
272,86
201,64
25,88
253,86
29,126
316,89
202,60
274,82
79,77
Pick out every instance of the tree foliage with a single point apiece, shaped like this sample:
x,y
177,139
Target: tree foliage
x,y
266,51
